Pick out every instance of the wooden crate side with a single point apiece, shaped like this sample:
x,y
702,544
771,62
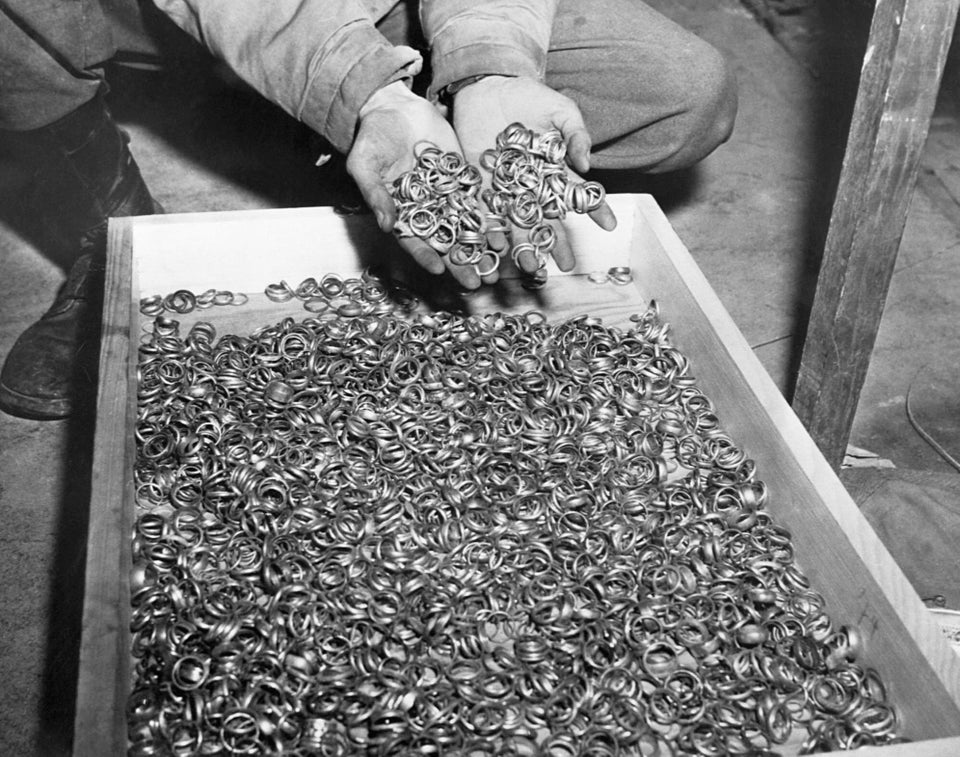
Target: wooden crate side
x,y
100,726
195,251
827,526
946,747
835,545
245,250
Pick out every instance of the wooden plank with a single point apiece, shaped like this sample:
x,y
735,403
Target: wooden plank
x,y
243,250
948,747
309,241
103,684
835,546
902,69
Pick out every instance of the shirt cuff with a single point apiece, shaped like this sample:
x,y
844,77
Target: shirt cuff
x,y
331,105
522,58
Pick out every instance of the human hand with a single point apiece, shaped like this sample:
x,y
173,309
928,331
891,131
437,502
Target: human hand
x,y
392,123
484,108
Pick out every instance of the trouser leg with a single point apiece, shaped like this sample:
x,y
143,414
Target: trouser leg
x,y
85,176
653,95
57,123
51,58
53,117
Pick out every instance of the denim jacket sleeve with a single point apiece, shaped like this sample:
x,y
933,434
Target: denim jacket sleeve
x,y
319,60
470,37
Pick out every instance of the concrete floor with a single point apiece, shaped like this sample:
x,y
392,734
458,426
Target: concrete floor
x,y
752,215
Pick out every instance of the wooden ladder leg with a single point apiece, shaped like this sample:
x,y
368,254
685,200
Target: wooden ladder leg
x,y
902,68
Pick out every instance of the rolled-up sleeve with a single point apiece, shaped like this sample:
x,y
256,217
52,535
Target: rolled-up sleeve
x,y
316,59
471,37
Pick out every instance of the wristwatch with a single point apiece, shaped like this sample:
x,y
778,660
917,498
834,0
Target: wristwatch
x,y
451,89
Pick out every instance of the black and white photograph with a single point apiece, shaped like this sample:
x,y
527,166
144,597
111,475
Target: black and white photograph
x,y
479,378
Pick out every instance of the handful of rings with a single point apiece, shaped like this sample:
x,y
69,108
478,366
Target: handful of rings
x,y
439,200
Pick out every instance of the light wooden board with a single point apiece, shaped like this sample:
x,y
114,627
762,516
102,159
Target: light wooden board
x,y
902,69
835,546
240,250
103,682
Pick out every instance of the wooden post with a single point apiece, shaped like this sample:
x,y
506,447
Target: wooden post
x,y
899,83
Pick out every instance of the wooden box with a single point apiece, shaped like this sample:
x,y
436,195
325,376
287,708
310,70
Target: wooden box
x,y
245,251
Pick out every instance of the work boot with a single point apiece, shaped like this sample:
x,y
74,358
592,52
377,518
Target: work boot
x,y
86,175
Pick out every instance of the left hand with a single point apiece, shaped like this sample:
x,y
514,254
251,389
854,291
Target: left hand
x,y
483,109
392,122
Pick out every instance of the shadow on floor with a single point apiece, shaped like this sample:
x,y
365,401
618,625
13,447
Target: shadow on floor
x,y
65,605
205,114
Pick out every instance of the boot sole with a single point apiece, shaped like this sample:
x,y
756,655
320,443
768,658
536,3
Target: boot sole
x,y
33,408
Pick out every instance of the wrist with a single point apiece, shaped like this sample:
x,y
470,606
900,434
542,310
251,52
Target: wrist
x,y
392,94
449,91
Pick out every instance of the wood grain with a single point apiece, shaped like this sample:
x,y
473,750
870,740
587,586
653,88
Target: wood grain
x,y
835,545
902,69
103,683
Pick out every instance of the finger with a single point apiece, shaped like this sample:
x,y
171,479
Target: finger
x,y
465,275
528,259
577,139
562,252
490,278
496,235
487,267
497,240
423,254
578,150
604,217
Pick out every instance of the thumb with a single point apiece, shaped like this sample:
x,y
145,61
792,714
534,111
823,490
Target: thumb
x,y
577,139
377,197
604,217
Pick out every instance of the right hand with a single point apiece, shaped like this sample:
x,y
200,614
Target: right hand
x,y
484,108
391,123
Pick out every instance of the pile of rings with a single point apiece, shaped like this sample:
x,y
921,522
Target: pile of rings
x,y
438,201
403,532
441,200
184,301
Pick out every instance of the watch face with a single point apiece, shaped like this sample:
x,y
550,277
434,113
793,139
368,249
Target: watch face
x,y
454,87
